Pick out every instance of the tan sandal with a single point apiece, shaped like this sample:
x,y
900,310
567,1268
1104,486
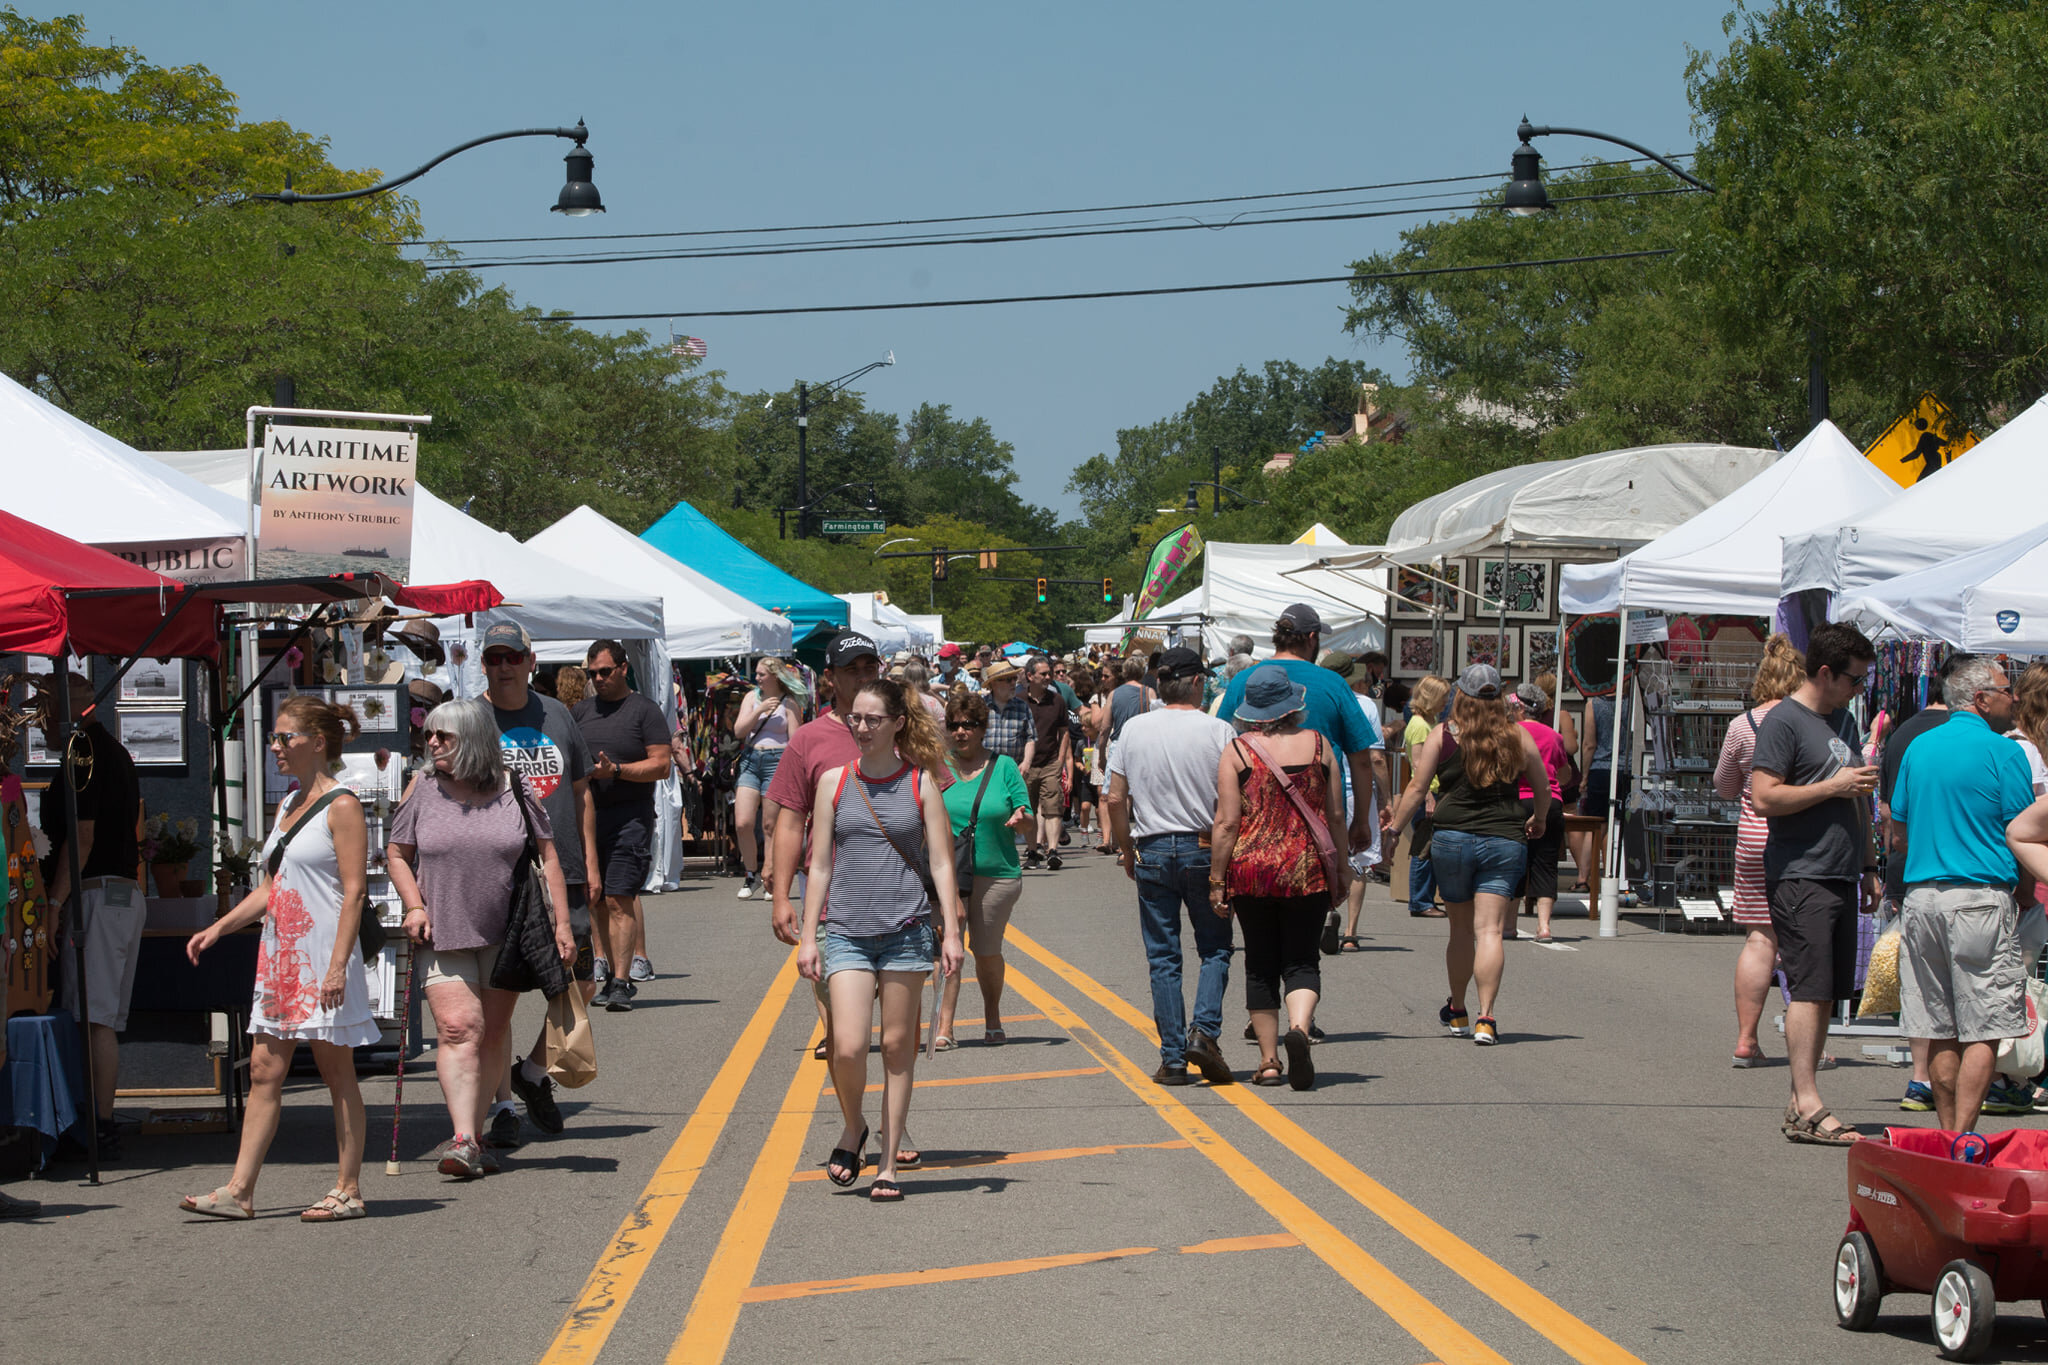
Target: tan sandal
x,y
1807,1128
219,1204
335,1207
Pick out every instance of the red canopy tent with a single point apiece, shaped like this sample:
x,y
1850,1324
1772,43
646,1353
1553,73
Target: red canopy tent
x,y
41,570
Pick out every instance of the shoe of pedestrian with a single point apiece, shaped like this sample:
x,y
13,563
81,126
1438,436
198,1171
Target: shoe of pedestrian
x,y
2040,1099
746,891
600,970
1173,1075
1486,1033
1315,1032
621,1001
10,1207
1919,1098
1251,1035
1033,860
1066,837
2008,1097
603,998
1052,861
1207,1058
1333,934
1454,1018
109,1139
461,1158
539,1099
488,1159
641,970
1301,1068
504,1131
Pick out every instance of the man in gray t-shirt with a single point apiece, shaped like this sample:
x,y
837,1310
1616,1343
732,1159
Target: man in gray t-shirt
x,y
1811,786
1161,803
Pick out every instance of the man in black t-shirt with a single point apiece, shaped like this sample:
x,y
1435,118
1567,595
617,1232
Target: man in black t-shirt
x,y
628,739
109,906
1051,754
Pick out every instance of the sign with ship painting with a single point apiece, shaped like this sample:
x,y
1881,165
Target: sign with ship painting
x,y
336,501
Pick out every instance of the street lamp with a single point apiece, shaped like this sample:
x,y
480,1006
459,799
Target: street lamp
x,y
1216,486
1526,196
803,441
578,199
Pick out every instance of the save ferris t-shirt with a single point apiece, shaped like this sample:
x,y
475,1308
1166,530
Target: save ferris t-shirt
x,y
544,746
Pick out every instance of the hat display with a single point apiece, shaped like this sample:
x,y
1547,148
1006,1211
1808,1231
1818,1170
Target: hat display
x,y
423,638
508,635
1338,662
426,693
1481,681
998,670
1178,662
1270,694
847,646
1301,617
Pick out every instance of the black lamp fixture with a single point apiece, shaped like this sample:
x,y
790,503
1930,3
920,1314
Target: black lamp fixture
x,y
578,199
1526,196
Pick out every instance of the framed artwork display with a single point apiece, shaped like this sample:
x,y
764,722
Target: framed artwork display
x,y
1484,645
1416,591
1539,650
149,681
1527,586
154,738
1412,653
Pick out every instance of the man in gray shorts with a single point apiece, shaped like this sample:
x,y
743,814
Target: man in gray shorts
x,y
1961,972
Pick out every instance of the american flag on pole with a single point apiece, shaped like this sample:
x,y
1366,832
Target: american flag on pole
x,y
688,346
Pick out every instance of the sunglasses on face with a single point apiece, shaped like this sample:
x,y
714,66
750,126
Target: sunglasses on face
x,y
498,660
601,673
284,737
964,725
440,737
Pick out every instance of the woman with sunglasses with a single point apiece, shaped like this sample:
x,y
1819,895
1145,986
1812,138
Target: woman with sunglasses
x,y
872,857
1005,807
309,975
454,845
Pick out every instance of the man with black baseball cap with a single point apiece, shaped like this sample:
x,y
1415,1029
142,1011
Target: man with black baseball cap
x,y
1332,710
1161,805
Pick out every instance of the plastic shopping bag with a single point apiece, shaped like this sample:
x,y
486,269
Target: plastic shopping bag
x,y
1881,978
2022,1058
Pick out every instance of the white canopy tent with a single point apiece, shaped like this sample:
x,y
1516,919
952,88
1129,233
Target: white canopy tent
x,y
702,619
1984,498
1726,559
888,626
932,625
1617,499
1246,587
1993,600
71,477
1183,610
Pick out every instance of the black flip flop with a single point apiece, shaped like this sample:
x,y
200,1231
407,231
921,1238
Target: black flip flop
x,y
884,1191
851,1162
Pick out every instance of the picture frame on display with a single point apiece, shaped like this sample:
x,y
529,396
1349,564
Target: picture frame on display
x,y
147,680
1539,650
1415,591
1486,645
153,738
1530,586
1412,653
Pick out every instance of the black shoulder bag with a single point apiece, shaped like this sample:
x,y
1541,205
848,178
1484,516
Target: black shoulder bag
x,y
528,960
370,931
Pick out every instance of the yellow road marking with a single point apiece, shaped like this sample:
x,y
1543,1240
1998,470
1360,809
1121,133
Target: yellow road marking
x,y
1265,1241
618,1271
990,1080
1568,1333
1021,1158
1422,1319
958,1023
768,1293
707,1331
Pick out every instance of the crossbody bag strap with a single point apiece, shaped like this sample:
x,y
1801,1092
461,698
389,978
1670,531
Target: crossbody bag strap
x,y
861,786
1318,828
276,858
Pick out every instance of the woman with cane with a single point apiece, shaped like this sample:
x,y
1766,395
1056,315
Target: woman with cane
x,y
309,974
872,857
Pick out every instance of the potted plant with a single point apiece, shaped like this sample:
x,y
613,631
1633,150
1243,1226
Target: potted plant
x,y
234,868
167,846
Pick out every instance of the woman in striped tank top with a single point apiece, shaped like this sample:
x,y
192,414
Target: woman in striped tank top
x,y
885,851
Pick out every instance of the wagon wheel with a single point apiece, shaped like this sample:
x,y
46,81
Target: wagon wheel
x,y
1965,1310
1859,1283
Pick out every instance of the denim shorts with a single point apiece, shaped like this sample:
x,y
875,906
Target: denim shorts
x,y
757,768
1467,865
909,949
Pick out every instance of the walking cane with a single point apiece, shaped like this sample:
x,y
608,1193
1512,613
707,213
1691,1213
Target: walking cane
x,y
412,963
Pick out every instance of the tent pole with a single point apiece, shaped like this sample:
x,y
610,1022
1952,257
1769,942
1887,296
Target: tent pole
x,y
1610,876
75,905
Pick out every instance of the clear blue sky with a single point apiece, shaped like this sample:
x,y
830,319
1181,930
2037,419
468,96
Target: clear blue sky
x,y
746,115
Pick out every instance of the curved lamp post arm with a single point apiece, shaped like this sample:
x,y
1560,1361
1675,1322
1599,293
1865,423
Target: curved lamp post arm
x,y
1529,130
579,134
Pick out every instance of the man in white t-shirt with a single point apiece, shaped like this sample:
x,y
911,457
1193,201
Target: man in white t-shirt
x,y
1162,805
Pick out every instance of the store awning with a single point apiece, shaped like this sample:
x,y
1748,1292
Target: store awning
x,y
55,590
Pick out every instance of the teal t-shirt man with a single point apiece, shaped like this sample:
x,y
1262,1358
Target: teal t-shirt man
x,y
1333,710
1960,785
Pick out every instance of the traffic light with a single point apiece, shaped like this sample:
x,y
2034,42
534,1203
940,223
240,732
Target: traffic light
x,y
1108,593
938,566
1041,590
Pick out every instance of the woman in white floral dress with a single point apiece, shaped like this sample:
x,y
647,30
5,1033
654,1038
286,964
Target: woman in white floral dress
x,y
310,982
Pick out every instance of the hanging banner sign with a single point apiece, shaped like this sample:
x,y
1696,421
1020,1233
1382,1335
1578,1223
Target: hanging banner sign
x,y
188,561
336,501
1171,557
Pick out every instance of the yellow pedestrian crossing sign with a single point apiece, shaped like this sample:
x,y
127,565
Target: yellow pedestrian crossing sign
x,y
1921,442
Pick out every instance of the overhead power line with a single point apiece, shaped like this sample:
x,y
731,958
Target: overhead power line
x,y
1106,293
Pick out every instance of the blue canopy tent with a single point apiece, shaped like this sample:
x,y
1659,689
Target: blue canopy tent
x,y
687,535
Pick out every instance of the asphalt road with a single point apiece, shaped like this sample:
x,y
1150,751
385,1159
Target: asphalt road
x,y
1601,1187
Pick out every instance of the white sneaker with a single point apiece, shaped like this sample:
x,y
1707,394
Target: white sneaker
x,y
746,891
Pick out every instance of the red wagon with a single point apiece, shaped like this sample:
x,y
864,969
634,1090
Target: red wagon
x,y
1964,1219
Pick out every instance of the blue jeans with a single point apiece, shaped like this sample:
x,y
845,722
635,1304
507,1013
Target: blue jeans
x,y
1173,871
1472,864
1421,876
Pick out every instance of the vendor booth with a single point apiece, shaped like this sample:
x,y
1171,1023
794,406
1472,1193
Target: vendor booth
x,y
890,628
687,535
1246,587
